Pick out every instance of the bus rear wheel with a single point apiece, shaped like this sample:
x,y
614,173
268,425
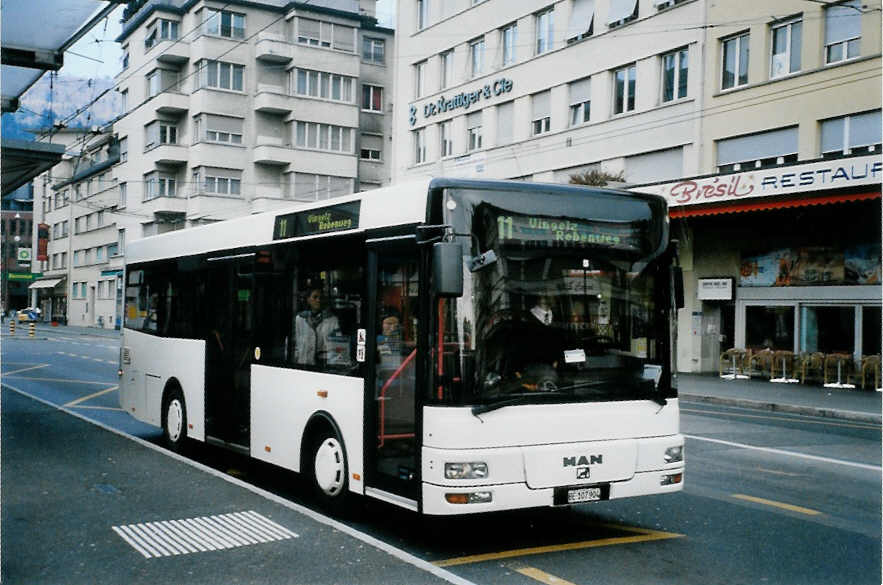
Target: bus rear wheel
x,y
329,469
174,420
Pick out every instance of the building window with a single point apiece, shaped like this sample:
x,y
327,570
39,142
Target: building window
x,y
735,61
544,31
124,149
786,42
624,89
541,120
162,30
447,138
153,84
159,185
224,23
122,202
212,181
124,100
855,134
121,241
505,117
675,66
323,85
420,146
324,137
220,75
219,129
125,59
621,12
755,151
473,131
580,101
371,147
509,37
373,50
157,133
582,18
372,98
419,79
310,187
446,73
476,57
422,14
843,31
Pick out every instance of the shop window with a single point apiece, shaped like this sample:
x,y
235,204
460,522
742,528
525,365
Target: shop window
x,y
827,329
769,328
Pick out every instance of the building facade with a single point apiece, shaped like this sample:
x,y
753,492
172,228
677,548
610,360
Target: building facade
x,y
762,131
781,231
15,248
79,233
233,108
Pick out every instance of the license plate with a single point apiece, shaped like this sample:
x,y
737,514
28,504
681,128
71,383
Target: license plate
x,y
576,496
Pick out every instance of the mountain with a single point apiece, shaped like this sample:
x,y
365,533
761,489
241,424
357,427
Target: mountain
x,y
51,101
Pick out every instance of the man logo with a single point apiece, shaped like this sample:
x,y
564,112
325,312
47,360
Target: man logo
x,y
582,472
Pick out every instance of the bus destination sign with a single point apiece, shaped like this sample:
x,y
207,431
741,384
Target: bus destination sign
x,y
542,231
344,216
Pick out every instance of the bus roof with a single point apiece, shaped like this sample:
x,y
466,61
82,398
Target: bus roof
x,y
399,204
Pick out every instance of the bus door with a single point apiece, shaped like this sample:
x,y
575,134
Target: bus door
x,y
391,425
229,349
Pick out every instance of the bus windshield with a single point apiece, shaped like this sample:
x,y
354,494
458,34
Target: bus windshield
x,y
557,307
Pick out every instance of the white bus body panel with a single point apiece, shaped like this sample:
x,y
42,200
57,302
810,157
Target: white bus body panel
x,y
283,401
141,385
530,450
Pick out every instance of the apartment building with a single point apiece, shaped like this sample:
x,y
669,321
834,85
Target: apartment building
x,y
546,90
781,231
238,107
15,248
692,99
80,227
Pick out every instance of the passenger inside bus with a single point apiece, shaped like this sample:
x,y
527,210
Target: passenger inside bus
x,y
314,329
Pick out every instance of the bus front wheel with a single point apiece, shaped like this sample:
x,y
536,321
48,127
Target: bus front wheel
x,y
174,420
329,468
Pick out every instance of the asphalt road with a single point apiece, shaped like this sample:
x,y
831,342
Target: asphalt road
x,y
769,498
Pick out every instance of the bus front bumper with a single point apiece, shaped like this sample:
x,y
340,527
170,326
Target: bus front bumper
x,y
454,500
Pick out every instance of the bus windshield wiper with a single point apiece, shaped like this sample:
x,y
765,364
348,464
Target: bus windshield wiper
x,y
520,399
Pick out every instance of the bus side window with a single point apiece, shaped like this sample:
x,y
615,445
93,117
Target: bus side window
x,y
327,314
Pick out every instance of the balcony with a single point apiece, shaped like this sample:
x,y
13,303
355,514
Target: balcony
x,y
171,52
272,48
166,154
270,102
271,154
164,206
308,56
171,103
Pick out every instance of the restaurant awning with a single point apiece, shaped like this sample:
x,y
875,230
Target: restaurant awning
x,y
47,283
768,205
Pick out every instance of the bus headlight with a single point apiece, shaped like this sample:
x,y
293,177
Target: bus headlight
x,y
674,454
471,470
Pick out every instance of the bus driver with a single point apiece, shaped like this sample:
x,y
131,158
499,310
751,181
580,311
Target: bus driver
x,y
312,331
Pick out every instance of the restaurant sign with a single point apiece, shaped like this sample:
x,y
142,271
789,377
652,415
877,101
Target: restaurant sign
x,y
816,176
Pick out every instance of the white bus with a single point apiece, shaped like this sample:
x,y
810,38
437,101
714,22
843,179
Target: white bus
x,y
451,347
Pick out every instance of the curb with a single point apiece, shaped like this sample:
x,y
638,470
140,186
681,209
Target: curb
x,y
852,415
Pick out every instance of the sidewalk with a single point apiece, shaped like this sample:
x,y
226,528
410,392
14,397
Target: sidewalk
x,y
810,399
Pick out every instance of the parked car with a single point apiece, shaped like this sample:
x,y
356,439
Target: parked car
x,y
28,314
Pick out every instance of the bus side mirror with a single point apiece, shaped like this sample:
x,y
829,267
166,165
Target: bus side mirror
x,y
677,283
447,269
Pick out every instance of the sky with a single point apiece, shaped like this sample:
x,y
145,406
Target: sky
x,y
98,55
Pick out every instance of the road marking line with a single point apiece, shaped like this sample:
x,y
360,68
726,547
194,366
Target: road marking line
x,y
789,453
111,408
784,506
644,536
25,370
170,538
541,576
785,418
28,378
90,396
777,472
375,542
